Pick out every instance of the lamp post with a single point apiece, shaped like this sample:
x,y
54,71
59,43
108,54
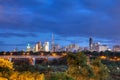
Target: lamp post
x,y
11,53
47,61
28,54
23,53
48,66
4,53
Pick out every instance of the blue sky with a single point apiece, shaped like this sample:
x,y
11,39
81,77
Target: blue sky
x,y
29,21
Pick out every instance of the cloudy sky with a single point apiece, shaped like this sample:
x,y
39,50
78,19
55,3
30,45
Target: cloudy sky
x,y
71,21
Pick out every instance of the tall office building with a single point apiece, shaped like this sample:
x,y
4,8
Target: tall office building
x,y
99,47
116,48
95,46
28,47
56,47
103,48
38,47
73,47
90,43
53,45
46,47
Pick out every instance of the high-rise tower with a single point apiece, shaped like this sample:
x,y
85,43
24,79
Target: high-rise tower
x,y
28,47
46,47
90,43
38,47
53,47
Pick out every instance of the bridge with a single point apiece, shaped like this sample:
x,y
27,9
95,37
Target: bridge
x,y
31,57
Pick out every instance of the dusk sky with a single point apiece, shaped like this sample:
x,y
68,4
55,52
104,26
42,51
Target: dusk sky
x,y
71,21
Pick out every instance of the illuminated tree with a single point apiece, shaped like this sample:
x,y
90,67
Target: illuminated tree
x,y
7,72
78,67
100,70
58,76
6,64
1,78
27,76
6,67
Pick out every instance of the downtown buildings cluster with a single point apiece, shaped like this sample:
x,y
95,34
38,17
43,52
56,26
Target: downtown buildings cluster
x,y
52,47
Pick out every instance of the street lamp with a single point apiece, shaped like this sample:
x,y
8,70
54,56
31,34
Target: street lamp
x,y
4,53
28,54
23,53
118,68
11,53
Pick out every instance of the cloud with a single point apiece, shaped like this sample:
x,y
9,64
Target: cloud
x,y
13,34
7,46
99,18
3,43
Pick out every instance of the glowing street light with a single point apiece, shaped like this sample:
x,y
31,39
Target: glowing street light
x,y
4,53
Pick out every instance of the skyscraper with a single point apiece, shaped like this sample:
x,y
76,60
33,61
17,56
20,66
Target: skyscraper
x,y
46,47
116,48
90,43
28,47
103,48
53,46
38,47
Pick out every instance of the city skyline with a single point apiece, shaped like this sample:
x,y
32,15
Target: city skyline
x,y
30,21
33,46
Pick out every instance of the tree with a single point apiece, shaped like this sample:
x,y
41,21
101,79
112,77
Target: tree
x,y
6,67
26,76
6,64
100,70
78,67
7,72
1,78
58,76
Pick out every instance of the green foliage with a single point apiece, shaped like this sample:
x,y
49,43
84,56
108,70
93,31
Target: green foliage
x,y
7,73
58,76
6,68
26,67
27,76
80,69
114,69
24,76
100,70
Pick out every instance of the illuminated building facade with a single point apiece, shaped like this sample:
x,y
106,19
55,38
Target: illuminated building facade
x,y
46,47
28,47
38,47
116,48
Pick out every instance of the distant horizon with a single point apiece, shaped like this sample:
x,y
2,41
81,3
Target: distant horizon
x,y
63,43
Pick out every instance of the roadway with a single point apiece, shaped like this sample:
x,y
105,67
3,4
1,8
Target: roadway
x,y
29,56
